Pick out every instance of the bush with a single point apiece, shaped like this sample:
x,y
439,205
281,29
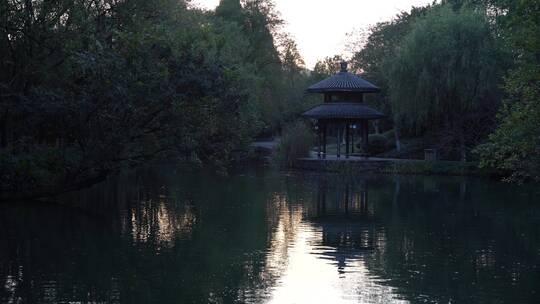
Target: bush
x,y
296,142
377,144
390,134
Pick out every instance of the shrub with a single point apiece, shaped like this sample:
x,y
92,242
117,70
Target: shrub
x,y
377,144
390,134
296,142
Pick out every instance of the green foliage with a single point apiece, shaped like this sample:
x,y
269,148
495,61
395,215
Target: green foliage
x,y
440,65
378,143
515,146
439,68
450,168
380,48
411,148
296,142
327,67
117,84
389,134
275,64
445,75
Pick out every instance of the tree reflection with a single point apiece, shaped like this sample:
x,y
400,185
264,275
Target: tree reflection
x,y
144,238
452,240
158,236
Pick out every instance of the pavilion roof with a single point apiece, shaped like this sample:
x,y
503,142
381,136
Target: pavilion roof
x,y
343,82
343,110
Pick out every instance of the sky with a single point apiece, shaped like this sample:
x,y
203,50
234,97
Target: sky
x,y
320,27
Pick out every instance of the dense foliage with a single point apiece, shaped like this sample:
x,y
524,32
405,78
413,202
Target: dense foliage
x,y
89,87
444,79
446,69
296,142
515,146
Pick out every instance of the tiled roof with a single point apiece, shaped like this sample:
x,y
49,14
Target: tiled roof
x,y
343,110
343,82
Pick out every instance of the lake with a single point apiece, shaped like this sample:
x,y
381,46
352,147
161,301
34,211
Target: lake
x,y
166,235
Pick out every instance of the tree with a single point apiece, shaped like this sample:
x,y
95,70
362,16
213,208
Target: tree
x,y
328,66
515,146
376,54
90,89
230,10
292,62
444,79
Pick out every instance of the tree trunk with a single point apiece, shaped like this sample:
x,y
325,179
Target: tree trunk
x,y
463,151
396,135
376,127
3,129
462,147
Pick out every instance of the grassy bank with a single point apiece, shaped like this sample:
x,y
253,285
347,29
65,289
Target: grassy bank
x,y
413,167
436,168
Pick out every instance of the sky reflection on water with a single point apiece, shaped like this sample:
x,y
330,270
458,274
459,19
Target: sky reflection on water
x,y
323,260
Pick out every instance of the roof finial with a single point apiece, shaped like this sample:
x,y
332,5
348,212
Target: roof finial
x,y
344,66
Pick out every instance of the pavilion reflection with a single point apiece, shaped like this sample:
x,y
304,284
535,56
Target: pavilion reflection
x,y
323,232
349,229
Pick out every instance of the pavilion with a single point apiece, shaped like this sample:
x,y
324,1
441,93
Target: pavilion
x,y
343,108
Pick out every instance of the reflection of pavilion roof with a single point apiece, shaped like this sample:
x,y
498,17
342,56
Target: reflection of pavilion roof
x,y
346,241
349,235
343,110
339,217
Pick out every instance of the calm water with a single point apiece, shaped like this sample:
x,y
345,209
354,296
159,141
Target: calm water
x,y
163,236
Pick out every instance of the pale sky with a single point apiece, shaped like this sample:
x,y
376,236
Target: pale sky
x,y
320,27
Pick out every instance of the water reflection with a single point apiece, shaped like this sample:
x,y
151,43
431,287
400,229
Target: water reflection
x,y
333,229
164,236
348,227
157,221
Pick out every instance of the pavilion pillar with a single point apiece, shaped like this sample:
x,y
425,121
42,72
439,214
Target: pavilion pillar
x,y
338,141
324,139
347,136
352,140
319,141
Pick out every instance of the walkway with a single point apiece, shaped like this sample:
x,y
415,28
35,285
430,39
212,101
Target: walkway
x,y
334,158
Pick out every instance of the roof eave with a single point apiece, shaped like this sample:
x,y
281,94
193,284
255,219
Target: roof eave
x,y
367,117
325,90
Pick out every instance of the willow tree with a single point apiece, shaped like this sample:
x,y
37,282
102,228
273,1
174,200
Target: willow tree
x,y
378,51
444,79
